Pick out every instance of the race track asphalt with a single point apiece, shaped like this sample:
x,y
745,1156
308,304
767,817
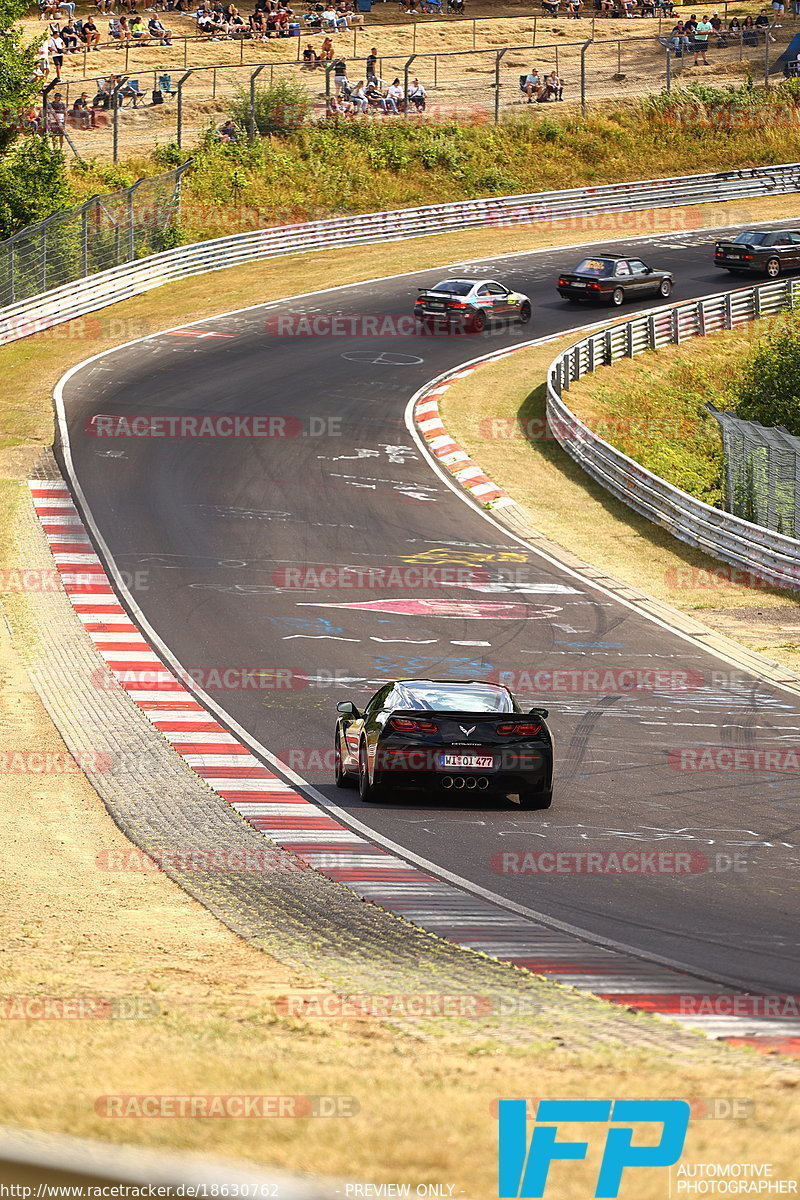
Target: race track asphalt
x,y
222,539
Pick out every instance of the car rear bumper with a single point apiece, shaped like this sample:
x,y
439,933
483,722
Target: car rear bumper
x,y
484,783
739,264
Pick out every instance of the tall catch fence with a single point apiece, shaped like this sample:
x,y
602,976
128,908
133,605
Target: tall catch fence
x,y
106,231
762,473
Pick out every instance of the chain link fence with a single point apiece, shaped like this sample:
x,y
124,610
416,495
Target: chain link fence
x,y
481,85
104,232
762,473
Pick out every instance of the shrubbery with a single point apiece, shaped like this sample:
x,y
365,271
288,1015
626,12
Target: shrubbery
x,y
768,387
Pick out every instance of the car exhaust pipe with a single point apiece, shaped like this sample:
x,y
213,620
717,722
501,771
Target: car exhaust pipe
x,y
472,782
447,781
483,782
458,782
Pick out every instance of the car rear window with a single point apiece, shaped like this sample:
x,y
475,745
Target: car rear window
x,y
456,287
463,699
753,239
595,266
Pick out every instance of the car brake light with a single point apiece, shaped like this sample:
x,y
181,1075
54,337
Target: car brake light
x,y
563,282
456,304
747,256
594,286
412,725
522,728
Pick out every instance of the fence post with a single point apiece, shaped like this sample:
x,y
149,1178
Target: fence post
x,y
115,103
85,236
328,70
669,70
405,78
533,43
44,258
584,48
181,82
766,58
241,51
474,31
498,58
251,118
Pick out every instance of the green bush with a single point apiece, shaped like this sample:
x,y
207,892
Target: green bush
x,y
768,388
280,109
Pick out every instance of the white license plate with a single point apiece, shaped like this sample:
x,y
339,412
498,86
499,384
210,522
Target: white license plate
x,y
576,284
730,255
437,307
474,761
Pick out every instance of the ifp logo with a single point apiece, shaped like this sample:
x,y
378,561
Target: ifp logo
x,y
524,1167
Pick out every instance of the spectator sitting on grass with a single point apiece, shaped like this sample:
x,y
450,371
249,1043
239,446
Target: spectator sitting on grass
x,y
138,28
550,7
310,58
553,88
90,34
157,31
229,131
735,29
418,96
374,95
81,113
69,36
358,98
533,85
258,25
395,97
574,9
762,23
326,51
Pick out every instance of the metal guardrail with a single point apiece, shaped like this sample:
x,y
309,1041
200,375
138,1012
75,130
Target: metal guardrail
x,y
132,279
772,557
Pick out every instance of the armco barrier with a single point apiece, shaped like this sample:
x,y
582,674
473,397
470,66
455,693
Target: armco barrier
x,y
96,291
771,556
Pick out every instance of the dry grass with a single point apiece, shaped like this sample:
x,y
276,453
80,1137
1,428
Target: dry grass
x,y
67,929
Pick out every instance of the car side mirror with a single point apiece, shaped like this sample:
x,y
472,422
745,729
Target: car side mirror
x,y
540,712
348,708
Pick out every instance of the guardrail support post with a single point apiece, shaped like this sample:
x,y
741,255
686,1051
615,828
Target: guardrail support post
x,y
498,58
406,69
591,355
701,319
181,82
584,48
676,327
629,340
251,117
728,311
651,332
608,349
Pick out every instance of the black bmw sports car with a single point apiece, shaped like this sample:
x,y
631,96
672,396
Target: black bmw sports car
x,y
614,278
445,738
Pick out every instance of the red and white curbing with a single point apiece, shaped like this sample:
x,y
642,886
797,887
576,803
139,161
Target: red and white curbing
x,y
282,814
449,453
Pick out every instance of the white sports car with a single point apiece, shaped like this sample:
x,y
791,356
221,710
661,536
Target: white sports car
x,y
471,303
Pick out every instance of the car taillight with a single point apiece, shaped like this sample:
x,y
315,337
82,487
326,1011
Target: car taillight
x,y
563,282
521,728
747,256
456,304
593,286
412,725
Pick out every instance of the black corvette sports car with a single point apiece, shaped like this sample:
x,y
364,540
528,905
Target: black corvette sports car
x,y
445,737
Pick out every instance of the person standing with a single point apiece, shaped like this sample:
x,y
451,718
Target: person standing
x,y
701,35
54,47
372,63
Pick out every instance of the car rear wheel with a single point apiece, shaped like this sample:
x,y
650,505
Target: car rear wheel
x,y
773,268
524,313
665,288
478,321
617,297
341,778
533,799
368,792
